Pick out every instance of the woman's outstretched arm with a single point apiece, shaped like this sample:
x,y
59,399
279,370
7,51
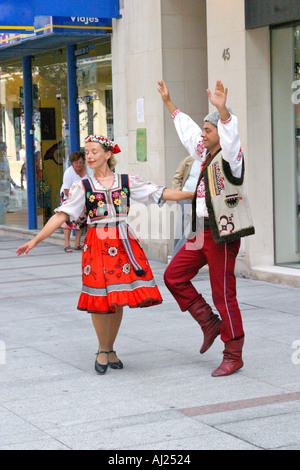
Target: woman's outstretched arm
x,y
53,224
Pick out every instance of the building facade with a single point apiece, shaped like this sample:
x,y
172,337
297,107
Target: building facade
x,y
253,46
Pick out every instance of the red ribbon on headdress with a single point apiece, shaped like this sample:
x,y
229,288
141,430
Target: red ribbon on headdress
x,y
116,149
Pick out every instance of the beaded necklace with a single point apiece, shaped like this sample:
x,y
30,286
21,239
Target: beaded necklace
x,y
102,179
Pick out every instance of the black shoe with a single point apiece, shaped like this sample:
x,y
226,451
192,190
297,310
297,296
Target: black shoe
x,y
101,368
115,365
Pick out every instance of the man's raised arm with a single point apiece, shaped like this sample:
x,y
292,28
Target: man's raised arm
x,y
165,95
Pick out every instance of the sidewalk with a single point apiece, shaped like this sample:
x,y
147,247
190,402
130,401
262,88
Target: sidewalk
x,y
165,398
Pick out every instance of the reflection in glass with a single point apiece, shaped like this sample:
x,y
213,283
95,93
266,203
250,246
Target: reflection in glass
x,y
94,81
13,196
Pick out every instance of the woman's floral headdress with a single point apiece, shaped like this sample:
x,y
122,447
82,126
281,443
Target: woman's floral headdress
x,y
104,141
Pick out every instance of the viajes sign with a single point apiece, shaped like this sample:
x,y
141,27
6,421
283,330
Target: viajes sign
x,y
18,16
45,25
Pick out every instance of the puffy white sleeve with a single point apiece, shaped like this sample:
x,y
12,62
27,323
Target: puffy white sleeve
x,y
231,144
145,192
67,179
75,203
189,134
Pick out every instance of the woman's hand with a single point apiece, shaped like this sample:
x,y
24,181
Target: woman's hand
x,y
53,223
24,249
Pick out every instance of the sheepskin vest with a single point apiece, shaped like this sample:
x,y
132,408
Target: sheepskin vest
x,y
226,201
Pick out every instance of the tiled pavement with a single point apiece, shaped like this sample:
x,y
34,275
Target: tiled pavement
x,y
165,398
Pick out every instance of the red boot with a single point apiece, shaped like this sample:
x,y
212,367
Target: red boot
x,y
232,360
209,322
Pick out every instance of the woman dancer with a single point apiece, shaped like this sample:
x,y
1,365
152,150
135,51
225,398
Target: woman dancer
x,y
115,270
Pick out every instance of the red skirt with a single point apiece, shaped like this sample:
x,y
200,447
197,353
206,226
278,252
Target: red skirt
x,y
108,278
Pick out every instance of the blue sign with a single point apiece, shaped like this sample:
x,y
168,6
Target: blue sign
x,y
19,15
96,8
82,24
72,24
16,16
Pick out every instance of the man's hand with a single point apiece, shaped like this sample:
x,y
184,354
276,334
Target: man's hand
x,y
163,90
165,95
218,99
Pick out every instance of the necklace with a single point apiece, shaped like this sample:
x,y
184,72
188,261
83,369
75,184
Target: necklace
x,y
101,179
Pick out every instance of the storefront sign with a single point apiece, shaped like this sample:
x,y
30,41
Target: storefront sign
x,y
59,25
100,8
72,24
18,16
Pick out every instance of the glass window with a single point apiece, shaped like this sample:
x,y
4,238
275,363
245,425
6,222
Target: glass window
x,y
51,128
286,143
94,80
13,196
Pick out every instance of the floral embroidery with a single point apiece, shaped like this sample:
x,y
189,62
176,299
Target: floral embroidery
x,y
126,268
201,189
120,200
227,121
175,113
85,247
111,202
112,251
219,179
200,148
87,270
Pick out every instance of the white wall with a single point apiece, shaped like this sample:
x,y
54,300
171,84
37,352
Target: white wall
x,y
184,69
157,39
247,76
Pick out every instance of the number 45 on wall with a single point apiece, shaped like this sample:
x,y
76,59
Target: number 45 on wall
x,y
226,54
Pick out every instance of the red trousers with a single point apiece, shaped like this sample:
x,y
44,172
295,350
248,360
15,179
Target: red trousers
x,y
220,258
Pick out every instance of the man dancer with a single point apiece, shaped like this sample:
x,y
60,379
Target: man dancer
x,y
221,211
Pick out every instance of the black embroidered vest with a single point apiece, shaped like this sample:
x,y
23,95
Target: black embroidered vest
x,y
107,203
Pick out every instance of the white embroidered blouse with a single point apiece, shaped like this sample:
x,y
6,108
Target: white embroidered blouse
x,y
190,135
141,191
